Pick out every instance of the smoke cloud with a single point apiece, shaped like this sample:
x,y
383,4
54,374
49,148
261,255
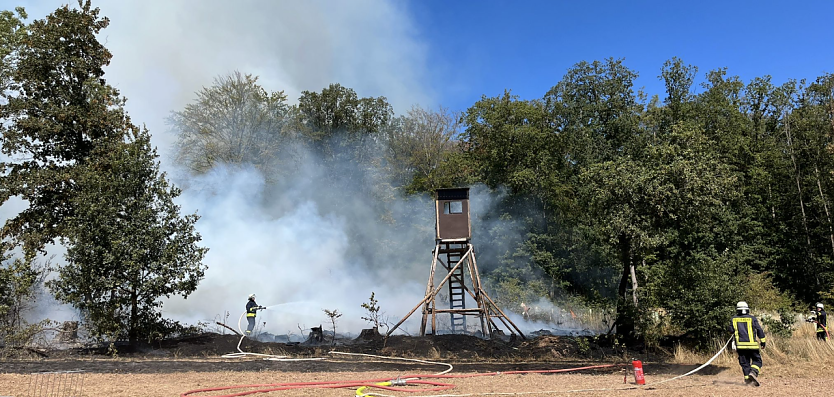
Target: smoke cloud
x,y
165,51
301,246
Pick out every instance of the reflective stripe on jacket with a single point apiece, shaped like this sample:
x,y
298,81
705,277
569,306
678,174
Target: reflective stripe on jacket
x,y
822,321
746,329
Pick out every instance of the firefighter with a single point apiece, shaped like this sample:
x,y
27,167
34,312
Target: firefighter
x,y
251,312
821,319
746,329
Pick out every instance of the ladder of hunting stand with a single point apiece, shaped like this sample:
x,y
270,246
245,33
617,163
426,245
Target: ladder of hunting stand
x,y
457,299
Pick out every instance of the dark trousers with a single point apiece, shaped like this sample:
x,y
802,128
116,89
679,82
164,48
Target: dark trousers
x,y
821,335
750,360
251,325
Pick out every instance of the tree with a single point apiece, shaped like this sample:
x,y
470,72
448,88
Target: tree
x,y
235,121
595,111
339,109
662,207
333,315
344,133
127,244
418,145
59,109
90,180
341,125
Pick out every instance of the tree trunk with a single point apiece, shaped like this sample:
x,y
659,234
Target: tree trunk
x,y
825,206
134,316
624,322
796,177
634,281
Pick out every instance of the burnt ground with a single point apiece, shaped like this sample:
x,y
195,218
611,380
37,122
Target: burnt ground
x,y
201,353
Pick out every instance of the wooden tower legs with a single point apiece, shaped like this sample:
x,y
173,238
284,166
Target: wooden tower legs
x,y
456,260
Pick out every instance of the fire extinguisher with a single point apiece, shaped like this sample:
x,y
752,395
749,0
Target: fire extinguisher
x,y
638,372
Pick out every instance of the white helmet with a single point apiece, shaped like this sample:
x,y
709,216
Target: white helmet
x,y
252,296
820,306
742,307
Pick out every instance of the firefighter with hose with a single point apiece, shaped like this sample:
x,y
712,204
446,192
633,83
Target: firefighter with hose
x,y
746,329
251,312
819,317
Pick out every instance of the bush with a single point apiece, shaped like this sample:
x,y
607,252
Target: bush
x,y
19,280
783,327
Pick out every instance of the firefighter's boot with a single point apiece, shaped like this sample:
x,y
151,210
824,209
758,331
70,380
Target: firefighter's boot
x,y
754,378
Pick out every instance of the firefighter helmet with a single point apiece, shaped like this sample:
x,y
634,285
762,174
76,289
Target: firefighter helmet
x,y
742,307
820,305
252,296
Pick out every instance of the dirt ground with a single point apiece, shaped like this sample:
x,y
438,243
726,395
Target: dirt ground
x,y
193,364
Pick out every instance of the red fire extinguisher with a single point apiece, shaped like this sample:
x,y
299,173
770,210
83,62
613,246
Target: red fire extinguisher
x,y
638,372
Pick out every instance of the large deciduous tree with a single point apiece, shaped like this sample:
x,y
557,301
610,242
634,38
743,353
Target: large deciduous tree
x,y
341,125
235,121
128,246
59,108
419,147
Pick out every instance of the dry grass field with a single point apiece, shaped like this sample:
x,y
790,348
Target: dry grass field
x,y
799,366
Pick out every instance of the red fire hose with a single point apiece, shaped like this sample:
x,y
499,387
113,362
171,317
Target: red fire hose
x,y
823,327
383,383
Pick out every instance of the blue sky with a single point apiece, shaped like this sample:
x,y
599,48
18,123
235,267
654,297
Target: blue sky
x,y
481,48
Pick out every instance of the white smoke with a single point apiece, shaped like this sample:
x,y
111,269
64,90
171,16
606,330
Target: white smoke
x,y
164,51
295,251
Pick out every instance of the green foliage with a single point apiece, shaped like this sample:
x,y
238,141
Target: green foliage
x,y
374,315
12,33
783,327
699,292
764,296
419,147
583,345
712,198
235,121
128,246
332,315
59,109
19,280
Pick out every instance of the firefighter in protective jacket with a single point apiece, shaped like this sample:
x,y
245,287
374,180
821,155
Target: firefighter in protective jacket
x,y
746,329
251,312
821,319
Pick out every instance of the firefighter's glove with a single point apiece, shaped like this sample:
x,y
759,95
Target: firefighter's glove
x,y
733,345
764,344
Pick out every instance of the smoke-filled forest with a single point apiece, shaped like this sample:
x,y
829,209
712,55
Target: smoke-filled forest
x,y
656,213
